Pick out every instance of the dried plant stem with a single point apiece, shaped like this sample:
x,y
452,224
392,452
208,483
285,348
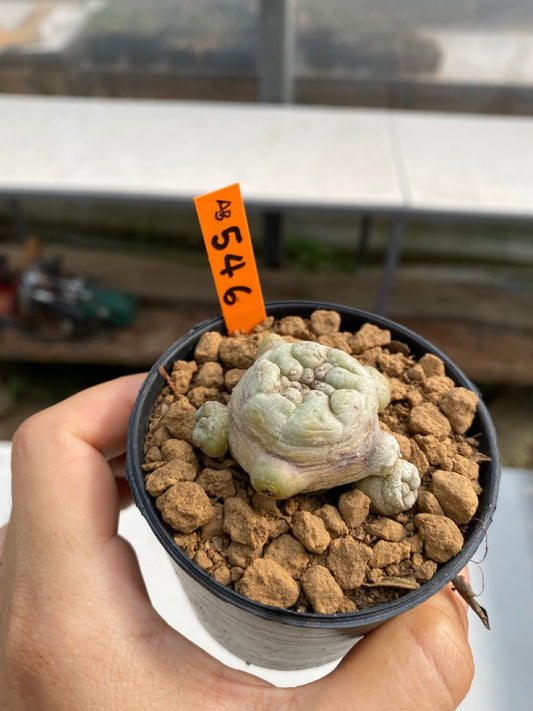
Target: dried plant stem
x,y
465,591
163,373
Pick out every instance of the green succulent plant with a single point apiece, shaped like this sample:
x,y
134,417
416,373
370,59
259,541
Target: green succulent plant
x,y
303,418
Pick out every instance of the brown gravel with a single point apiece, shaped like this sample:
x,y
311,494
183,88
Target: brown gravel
x,y
327,552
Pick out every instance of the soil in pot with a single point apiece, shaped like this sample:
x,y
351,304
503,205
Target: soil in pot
x,y
325,552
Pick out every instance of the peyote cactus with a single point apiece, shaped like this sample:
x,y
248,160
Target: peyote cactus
x,y
304,417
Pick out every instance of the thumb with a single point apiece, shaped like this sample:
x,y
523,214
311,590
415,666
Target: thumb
x,y
418,660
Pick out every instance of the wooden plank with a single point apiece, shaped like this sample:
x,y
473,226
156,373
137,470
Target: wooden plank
x,y
487,353
140,345
493,296
482,321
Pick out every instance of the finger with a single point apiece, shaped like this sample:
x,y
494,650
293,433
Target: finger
x,y
125,497
118,467
63,487
3,531
420,659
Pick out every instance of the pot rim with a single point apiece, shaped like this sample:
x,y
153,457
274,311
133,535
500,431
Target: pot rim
x,y
372,616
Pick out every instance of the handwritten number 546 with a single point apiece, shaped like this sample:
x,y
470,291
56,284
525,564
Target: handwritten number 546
x,y
232,262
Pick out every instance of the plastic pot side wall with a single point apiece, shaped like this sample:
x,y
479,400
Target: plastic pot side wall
x,y
270,636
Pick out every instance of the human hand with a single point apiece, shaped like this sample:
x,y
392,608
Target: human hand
x,y
78,632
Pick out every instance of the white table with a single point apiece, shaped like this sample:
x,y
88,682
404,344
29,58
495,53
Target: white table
x,y
282,156
503,656
457,167
286,157
465,165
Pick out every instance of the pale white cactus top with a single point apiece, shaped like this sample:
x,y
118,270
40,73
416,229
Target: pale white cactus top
x,y
304,417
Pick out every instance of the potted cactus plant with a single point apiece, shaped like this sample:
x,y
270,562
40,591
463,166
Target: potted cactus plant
x,y
304,418
313,479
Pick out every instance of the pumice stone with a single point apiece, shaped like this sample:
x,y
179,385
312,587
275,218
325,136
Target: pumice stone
x,y
304,418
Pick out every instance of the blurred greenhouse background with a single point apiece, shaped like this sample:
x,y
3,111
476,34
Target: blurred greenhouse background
x,y
466,55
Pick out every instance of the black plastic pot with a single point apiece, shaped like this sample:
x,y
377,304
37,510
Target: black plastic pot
x,y
270,636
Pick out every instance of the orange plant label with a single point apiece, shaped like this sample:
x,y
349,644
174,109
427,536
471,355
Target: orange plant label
x,y
231,256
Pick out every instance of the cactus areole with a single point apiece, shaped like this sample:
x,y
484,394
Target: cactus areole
x,y
304,418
